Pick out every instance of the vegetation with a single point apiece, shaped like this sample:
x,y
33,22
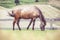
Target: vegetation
x,y
29,35
10,3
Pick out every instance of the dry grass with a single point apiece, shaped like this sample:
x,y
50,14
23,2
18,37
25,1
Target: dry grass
x,y
29,35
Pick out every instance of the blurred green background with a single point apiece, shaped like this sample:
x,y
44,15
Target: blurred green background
x,y
10,3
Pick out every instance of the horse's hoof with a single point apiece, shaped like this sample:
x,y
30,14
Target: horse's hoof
x,y
32,28
19,29
13,29
27,28
42,29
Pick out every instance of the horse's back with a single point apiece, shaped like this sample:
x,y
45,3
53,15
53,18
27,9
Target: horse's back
x,y
27,12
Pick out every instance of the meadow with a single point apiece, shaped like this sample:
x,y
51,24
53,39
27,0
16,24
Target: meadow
x,y
29,35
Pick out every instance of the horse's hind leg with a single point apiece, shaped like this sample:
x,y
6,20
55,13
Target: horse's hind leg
x,y
14,23
33,24
29,24
18,24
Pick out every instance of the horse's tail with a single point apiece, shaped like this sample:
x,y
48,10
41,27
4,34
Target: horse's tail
x,y
12,15
40,14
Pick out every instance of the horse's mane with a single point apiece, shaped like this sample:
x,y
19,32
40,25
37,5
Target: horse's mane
x,y
41,15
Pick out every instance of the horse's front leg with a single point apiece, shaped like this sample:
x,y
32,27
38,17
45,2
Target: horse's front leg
x,y
33,24
42,25
29,24
18,24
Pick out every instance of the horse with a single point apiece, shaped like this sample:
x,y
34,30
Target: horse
x,y
28,13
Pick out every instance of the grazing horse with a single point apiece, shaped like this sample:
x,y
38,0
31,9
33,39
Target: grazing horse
x,y
28,13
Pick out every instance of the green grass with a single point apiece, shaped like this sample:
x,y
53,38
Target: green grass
x,y
10,3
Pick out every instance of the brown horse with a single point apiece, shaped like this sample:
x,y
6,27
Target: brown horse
x,y
28,13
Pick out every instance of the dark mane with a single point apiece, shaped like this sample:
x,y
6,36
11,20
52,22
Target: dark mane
x,y
41,15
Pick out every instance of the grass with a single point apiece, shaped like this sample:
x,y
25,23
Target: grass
x,y
29,35
10,3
